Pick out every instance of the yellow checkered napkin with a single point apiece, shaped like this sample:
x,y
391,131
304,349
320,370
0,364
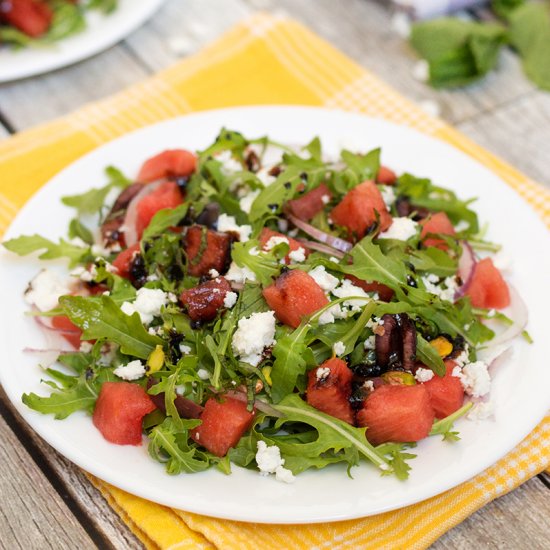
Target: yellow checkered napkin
x,y
268,60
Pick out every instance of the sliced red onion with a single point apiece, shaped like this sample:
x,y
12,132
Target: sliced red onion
x,y
45,322
129,226
258,403
320,247
318,235
466,268
46,357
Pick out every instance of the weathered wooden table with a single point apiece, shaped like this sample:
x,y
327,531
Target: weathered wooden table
x,y
45,501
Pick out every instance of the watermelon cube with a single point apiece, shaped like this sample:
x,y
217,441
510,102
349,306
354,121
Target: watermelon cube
x,y
206,249
311,203
446,392
487,288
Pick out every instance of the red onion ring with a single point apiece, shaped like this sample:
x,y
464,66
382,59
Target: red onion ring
x,y
320,247
332,241
129,225
49,356
466,268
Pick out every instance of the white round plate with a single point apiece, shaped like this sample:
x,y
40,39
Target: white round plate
x,y
102,31
521,389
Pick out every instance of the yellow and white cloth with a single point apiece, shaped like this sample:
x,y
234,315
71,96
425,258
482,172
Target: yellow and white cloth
x,y
268,60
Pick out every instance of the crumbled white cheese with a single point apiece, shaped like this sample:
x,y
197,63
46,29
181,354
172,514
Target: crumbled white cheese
x,y
325,280
481,411
153,277
185,349
213,273
228,223
264,176
253,334
85,347
132,371
77,241
229,164
325,199
230,300
269,461
461,226
331,314
298,255
239,274
475,378
82,273
246,202
347,288
148,304
322,372
370,342
203,374
445,289
99,250
462,358
388,195
45,290
339,348
172,297
423,375
274,241
401,229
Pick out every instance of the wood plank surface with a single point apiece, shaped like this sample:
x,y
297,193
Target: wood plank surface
x,y
32,514
503,113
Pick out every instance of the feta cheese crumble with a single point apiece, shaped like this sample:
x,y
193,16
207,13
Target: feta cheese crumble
x,y
45,290
388,195
269,461
475,378
229,164
246,202
370,342
339,348
253,335
203,374
132,371
274,241
322,372
481,411
401,229
213,273
148,304
445,289
239,274
228,223
298,255
185,349
325,280
230,300
423,375
347,288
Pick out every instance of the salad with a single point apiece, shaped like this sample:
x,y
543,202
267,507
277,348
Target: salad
x,y
36,22
270,307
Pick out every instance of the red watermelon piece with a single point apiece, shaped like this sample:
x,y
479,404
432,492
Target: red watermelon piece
x,y
487,288
436,223
206,249
124,260
397,413
29,16
294,295
359,208
171,163
204,300
386,176
166,195
310,203
330,392
223,424
446,392
119,411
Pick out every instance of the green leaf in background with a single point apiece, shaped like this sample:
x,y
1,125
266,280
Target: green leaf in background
x,y
92,201
458,52
78,230
26,244
104,319
165,218
504,8
105,6
68,19
530,35
9,35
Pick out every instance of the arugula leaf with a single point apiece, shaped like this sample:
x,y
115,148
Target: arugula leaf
x,y
504,8
333,435
103,319
444,426
68,19
78,230
10,35
105,6
165,218
398,458
26,244
429,356
92,201
365,166
264,264
530,35
169,444
458,52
